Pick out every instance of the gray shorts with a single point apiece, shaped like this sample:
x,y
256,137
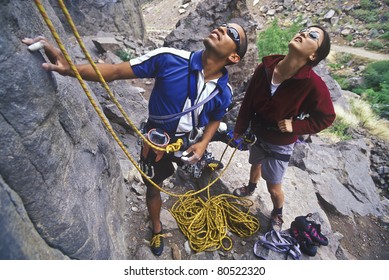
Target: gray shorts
x,y
272,170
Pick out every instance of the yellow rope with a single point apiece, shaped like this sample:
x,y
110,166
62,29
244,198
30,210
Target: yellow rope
x,y
204,223
89,95
170,148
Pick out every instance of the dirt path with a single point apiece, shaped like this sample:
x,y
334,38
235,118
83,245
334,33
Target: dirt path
x,y
360,52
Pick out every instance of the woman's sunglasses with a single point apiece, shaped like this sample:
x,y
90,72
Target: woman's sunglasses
x,y
312,34
234,35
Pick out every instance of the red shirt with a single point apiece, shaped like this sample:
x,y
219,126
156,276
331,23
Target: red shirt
x,y
304,93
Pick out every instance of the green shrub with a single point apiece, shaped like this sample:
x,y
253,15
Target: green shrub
x,y
384,36
349,37
342,81
340,129
125,55
376,87
367,16
369,4
275,40
379,26
359,44
343,57
375,45
376,74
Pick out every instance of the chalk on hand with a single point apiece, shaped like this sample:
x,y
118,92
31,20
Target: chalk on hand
x,y
36,46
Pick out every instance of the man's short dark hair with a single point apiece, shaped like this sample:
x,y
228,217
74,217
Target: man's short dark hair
x,y
243,45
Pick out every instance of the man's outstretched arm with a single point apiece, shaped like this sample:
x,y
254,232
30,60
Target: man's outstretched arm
x,y
58,63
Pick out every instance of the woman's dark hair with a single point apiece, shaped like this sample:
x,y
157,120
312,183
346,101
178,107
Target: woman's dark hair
x,y
324,48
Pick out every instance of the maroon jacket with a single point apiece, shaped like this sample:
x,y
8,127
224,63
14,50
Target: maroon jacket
x,y
304,93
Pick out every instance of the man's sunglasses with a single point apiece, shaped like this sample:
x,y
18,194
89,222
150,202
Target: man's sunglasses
x,y
234,35
314,35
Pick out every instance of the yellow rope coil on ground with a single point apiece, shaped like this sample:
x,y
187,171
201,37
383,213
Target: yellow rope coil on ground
x,y
204,223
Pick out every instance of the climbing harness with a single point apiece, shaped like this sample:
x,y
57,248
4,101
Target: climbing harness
x,y
273,154
196,170
217,214
248,139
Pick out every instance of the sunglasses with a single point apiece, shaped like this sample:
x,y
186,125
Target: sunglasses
x,y
312,34
234,35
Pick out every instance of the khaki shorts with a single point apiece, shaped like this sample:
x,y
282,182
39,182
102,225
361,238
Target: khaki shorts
x,y
272,170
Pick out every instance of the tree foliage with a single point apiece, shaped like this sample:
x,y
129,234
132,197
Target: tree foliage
x,y
376,86
275,40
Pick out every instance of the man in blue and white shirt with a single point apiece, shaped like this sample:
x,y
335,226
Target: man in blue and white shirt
x,y
191,91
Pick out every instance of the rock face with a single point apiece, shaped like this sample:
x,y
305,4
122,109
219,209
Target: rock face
x,y
61,185
342,178
90,17
191,30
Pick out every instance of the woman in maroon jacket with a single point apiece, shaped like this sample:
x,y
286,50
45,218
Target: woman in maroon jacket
x,y
285,99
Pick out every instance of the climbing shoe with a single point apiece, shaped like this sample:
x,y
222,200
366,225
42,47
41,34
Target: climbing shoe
x,y
314,231
308,249
156,243
243,191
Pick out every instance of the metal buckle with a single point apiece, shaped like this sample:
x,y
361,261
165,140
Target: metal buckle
x,y
147,168
194,135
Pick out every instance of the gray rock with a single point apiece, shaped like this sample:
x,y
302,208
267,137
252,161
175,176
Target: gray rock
x,y
104,44
144,253
71,185
329,14
92,17
19,238
191,30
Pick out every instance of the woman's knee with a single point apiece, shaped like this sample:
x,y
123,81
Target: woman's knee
x,y
274,189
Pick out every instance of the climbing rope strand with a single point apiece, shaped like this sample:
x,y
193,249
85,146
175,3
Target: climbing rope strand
x,y
88,94
97,108
174,147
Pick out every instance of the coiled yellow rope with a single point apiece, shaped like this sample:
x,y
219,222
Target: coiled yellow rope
x,y
205,223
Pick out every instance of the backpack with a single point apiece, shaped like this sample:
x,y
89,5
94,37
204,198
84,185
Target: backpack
x,y
308,234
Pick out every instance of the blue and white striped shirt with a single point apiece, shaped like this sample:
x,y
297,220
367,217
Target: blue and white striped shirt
x,y
170,68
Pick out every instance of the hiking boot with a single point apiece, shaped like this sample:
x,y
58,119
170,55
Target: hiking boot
x,y
276,222
156,243
243,191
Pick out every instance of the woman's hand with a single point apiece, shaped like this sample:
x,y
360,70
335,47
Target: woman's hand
x,y
286,125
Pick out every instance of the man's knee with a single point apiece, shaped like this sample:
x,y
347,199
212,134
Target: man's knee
x,y
152,191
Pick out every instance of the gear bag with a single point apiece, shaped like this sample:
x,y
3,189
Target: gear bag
x,y
308,234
